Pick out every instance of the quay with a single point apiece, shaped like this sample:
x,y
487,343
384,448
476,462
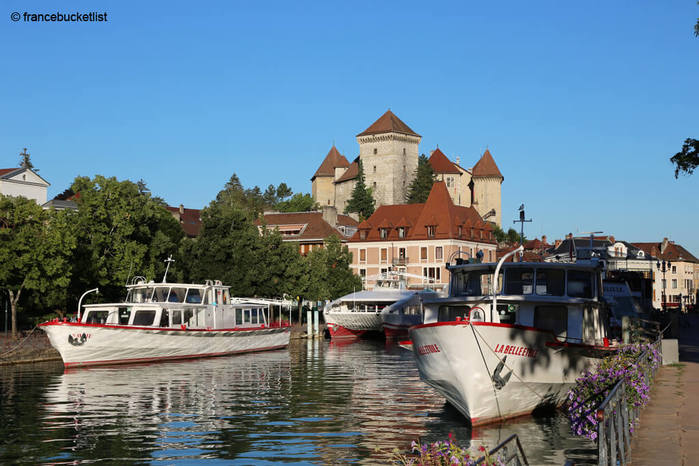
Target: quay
x,y
668,431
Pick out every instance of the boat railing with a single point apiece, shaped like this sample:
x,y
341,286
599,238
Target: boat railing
x,y
508,452
616,420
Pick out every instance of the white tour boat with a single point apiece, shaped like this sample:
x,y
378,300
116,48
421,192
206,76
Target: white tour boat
x,y
405,313
360,312
164,321
496,354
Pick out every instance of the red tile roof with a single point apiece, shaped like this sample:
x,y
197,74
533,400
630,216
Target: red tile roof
x,y
673,252
351,173
311,224
441,164
388,123
5,171
439,210
486,166
190,219
332,160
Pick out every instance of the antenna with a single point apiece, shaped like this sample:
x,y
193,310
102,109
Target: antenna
x,y
169,260
592,235
522,220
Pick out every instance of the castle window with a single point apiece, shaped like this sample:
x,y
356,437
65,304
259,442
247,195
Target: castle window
x,y
423,253
404,154
438,253
375,151
383,232
431,230
374,168
374,186
362,256
450,181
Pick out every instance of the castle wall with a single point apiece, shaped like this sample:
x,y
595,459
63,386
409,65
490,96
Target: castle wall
x,y
343,193
323,191
389,161
487,196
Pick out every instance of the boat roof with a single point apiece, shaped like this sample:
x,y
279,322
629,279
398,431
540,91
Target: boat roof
x,y
377,295
152,284
579,265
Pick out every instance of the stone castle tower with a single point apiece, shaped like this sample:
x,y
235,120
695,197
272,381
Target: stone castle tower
x,y
389,152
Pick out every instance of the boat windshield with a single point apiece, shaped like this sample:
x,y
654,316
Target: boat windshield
x,y
474,283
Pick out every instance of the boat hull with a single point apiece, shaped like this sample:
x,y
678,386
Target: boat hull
x,y
352,324
491,372
94,344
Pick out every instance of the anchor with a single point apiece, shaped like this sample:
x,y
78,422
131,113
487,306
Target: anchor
x,y
499,381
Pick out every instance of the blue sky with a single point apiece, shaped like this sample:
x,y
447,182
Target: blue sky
x,y
580,103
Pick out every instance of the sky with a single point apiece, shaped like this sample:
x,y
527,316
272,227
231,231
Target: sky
x,y
580,103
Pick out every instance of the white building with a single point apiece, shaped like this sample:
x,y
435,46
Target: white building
x,y
23,182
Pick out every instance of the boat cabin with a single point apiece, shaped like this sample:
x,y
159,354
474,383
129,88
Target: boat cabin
x,y
181,306
562,298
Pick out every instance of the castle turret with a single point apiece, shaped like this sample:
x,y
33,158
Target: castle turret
x,y
487,181
388,150
322,187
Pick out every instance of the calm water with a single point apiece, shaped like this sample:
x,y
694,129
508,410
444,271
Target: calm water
x,y
317,403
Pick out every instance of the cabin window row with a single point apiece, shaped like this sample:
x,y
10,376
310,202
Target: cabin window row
x,y
176,317
527,281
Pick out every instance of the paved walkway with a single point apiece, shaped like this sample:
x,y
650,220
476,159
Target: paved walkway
x,y
668,432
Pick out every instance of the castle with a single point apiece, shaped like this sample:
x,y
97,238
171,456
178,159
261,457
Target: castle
x,y
389,153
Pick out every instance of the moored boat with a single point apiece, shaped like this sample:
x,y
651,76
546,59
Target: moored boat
x,y
166,321
501,346
359,313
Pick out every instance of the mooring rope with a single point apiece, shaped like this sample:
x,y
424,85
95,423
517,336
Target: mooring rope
x,y
495,392
2,355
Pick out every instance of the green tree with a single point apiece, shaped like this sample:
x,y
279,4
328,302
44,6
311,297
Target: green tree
x,y
299,202
35,253
687,159
25,160
329,272
362,201
122,232
420,187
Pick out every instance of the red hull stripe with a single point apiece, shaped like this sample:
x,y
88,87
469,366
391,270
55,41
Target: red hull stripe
x,y
169,329
168,358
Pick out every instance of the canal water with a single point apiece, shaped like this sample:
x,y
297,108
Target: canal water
x,y
316,403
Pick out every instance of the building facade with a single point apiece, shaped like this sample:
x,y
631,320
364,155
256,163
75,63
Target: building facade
x,y
309,229
418,240
675,287
23,182
389,151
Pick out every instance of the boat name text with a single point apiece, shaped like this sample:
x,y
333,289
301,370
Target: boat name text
x,y
516,350
427,349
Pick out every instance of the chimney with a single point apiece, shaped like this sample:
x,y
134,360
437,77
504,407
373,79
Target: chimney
x,y
664,246
458,161
330,215
181,209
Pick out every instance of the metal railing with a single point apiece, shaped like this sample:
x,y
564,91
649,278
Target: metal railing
x,y
508,452
616,420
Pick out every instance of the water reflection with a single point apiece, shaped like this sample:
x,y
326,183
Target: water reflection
x,y
318,402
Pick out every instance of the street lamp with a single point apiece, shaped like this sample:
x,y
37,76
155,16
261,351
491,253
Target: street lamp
x,y
663,266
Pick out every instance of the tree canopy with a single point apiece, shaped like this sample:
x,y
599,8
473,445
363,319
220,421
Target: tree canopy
x,y
35,253
512,236
122,231
362,201
687,159
420,187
